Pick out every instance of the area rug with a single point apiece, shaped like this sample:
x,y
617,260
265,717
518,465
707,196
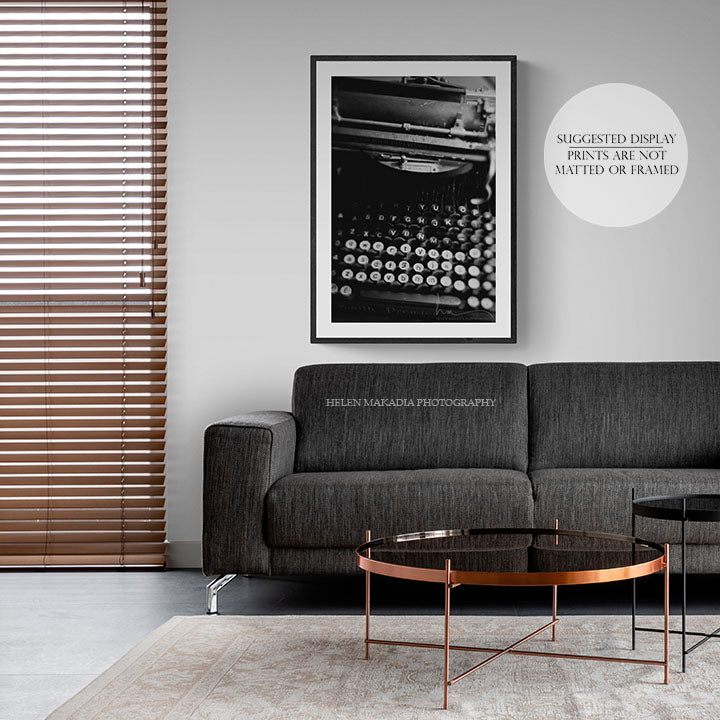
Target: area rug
x,y
300,667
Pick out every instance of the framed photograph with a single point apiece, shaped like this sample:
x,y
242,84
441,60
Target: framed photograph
x,y
413,199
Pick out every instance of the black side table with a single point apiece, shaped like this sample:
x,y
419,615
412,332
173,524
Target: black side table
x,y
684,509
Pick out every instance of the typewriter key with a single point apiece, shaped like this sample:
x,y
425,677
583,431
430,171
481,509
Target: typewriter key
x,y
487,286
473,283
459,286
389,278
378,246
487,303
347,274
473,302
446,265
333,288
433,253
418,267
404,265
420,251
447,255
431,280
390,265
405,249
488,269
474,271
432,265
445,281
417,279
346,291
403,278
349,259
376,264
460,270
361,277
365,245
474,253
391,250
489,253
375,276
350,244
460,255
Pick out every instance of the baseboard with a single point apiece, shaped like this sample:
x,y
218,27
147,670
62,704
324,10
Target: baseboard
x,y
184,554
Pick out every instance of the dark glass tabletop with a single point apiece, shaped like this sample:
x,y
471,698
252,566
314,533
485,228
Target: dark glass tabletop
x,y
499,556
705,508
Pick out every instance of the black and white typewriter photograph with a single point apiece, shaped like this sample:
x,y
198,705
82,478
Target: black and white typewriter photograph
x,y
414,238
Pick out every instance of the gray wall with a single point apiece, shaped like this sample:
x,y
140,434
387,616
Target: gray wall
x,y
239,196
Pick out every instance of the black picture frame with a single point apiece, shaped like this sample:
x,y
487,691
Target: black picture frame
x,y
485,332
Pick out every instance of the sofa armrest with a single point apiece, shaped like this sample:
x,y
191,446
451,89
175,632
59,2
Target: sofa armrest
x,y
244,455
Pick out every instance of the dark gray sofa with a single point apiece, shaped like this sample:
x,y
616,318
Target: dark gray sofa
x,y
293,493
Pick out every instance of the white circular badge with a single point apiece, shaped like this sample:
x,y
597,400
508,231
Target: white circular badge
x,y
615,155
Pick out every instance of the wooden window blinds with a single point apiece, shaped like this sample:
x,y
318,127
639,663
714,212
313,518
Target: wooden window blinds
x,y
82,282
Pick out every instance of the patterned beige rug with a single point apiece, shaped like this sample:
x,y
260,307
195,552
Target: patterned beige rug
x,y
299,667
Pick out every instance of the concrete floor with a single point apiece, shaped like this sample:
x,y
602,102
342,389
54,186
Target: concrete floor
x,y
59,630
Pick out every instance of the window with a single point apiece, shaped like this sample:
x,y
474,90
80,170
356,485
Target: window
x,y
82,282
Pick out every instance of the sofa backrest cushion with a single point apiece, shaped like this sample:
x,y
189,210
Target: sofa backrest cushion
x,y
405,417
631,415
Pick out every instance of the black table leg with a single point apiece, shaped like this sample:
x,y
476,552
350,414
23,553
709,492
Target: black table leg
x,y
684,588
634,589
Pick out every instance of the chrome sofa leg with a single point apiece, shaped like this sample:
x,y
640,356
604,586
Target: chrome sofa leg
x,y
213,588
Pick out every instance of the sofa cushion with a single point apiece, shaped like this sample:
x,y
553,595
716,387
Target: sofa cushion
x,y
625,415
342,423
334,509
600,499
341,561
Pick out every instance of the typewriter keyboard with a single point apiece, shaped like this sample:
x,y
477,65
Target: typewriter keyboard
x,y
417,260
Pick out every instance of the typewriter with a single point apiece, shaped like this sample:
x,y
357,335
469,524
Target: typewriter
x,y
413,201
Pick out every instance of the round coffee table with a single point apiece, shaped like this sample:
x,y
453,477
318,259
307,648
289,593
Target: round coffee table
x,y
485,557
682,509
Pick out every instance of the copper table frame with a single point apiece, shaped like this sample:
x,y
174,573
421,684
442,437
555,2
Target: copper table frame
x,y
453,578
